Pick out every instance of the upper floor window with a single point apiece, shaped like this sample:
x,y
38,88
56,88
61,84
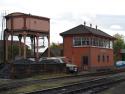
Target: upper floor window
x,y
80,41
77,41
93,41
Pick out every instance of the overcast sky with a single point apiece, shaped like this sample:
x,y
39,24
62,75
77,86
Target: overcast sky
x,y
109,15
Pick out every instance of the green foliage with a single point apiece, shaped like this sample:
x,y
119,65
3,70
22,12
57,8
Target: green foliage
x,y
15,50
118,44
54,45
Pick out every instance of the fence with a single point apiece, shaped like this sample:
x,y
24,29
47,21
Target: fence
x,y
26,70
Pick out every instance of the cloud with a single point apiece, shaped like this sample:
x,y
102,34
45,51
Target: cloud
x,y
53,7
66,14
115,27
113,32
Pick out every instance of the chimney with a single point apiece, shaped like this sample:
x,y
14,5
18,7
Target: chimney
x,y
84,23
90,25
96,27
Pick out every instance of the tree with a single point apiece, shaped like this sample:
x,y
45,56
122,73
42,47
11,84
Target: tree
x,y
53,45
56,45
118,44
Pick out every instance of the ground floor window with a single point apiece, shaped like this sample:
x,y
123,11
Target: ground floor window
x,y
103,58
107,58
98,58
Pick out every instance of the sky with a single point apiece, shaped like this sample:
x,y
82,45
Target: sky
x,y
108,15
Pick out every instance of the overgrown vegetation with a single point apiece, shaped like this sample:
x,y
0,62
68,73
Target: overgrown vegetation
x,y
56,45
15,50
119,44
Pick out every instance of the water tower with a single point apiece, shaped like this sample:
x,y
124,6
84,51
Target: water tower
x,y
23,26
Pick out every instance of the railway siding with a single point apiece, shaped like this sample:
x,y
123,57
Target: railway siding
x,y
84,86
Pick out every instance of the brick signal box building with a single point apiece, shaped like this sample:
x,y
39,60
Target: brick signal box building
x,y
89,48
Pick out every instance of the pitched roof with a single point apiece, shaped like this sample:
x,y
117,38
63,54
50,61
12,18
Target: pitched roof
x,y
82,29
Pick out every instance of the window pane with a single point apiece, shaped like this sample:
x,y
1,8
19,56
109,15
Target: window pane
x,y
83,41
87,41
111,44
77,41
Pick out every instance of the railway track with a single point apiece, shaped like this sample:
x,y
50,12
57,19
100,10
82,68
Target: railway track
x,y
85,87
17,84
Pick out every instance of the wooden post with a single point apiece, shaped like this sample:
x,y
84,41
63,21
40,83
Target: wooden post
x,y
37,54
34,47
20,37
12,58
48,45
24,47
6,46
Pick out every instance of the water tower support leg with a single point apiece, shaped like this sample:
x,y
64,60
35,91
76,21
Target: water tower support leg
x,y
48,45
20,37
24,47
34,47
6,47
37,54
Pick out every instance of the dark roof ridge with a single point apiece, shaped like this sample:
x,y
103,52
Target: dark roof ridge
x,y
87,28
83,29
